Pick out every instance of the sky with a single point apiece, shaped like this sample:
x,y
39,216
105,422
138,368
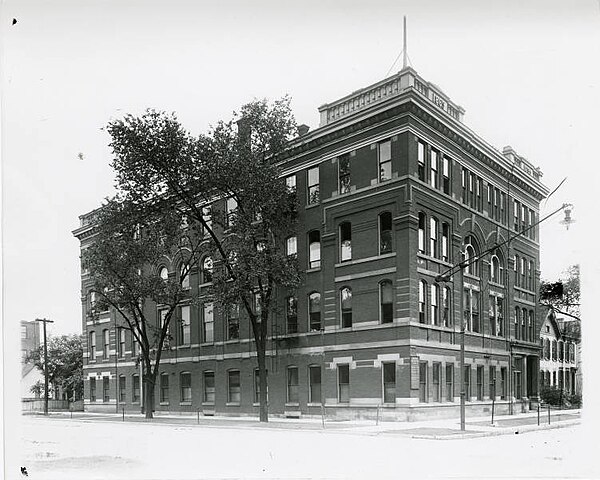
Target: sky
x,y
527,74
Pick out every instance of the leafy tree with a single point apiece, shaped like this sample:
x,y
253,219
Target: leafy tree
x,y
129,244
65,365
563,297
236,162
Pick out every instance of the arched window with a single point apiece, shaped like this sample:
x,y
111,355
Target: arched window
x,y
386,302
470,255
554,350
433,237
446,307
496,269
314,311
422,301
207,270
433,299
184,274
164,273
345,241
445,242
314,249
346,306
422,224
385,233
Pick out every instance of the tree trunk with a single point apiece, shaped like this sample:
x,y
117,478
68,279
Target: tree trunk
x,y
262,381
149,396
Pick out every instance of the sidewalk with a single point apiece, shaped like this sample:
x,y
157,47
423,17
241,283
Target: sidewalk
x,y
438,429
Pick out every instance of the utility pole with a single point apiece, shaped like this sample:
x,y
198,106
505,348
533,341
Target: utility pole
x,y
45,321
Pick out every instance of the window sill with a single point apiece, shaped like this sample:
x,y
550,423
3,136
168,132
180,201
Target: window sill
x,y
314,404
233,340
185,403
312,205
233,404
164,403
292,404
315,269
205,284
207,344
208,404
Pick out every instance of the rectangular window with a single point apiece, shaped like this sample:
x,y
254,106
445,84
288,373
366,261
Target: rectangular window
x,y
503,207
490,199
121,342
344,174
185,385
208,328
209,387
475,311
385,161
471,190
314,249
231,206
436,378
164,388
292,385
106,346
433,165
207,216
422,149
314,380
135,391
446,307
389,382
467,382
92,389
479,205
446,175
184,326
480,382
343,383
449,382
517,379
290,183
257,386
92,346
464,174
503,383
423,394
313,185
291,314
492,381
445,236
516,210
496,204
233,386
122,389
233,323
105,389
291,246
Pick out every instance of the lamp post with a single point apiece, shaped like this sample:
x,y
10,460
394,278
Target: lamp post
x,y
45,321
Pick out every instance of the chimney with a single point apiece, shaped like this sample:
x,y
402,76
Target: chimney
x,y
303,130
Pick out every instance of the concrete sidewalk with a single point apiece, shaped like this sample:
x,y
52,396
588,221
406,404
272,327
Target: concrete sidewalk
x,y
439,429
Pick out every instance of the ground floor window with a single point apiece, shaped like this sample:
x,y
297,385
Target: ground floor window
x,y
423,397
234,392
209,387
503,383
185,386
449,382
343,383
492,382
480,382
292,385
135,392
436,380
389,382
105,389
92,389
314,379
517,379
164,388
467,382
122,389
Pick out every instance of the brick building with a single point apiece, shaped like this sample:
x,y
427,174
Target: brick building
x,y
396,191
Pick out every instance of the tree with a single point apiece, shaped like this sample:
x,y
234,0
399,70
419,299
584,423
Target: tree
x,y
235,164
563,297
65,365
129,244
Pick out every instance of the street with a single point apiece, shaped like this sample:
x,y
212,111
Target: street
x,y
63,448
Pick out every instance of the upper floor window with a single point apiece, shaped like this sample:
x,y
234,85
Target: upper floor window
x,y
496,315
106,346
422,226
92,345
470,256
471,309
445,242
207,216
291,246
121,334
314,249
433,237
231,212
345,241
208,324
446,175
314,311
496,270
233,322
386,302
434,297
421,152
385,161
446,296
344,174
207,270
385,233
346,306
164,274
422,301
313,185
516,210
433,166
184,274
291,314
185,325
290,183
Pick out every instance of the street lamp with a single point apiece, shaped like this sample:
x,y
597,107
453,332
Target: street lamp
x,y
45,321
